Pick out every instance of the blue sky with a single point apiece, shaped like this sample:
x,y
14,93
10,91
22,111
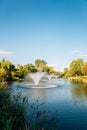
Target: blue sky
x,y
53,30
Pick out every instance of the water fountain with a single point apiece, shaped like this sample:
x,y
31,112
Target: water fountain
x,y
48,77
36,78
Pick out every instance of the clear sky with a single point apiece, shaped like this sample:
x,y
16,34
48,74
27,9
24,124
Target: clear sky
x,y
52,30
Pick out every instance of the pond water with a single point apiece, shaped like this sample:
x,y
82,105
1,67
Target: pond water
x,y
68,98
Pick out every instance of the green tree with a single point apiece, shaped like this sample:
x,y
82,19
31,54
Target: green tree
x,y
66,73
19,72
7,67
60,74
49,69
40,64
29,68
85,68
76,67
3,74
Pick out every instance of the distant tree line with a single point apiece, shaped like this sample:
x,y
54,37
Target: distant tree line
x,y
10,72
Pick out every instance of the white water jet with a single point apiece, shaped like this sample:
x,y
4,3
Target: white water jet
x,y
36,77
52,77
49,77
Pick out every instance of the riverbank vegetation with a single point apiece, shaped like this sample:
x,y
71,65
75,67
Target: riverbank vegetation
x,y
9,72
77,71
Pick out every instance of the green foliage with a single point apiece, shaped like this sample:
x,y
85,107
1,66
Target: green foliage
x,y
49,69
12,111
84,69
8,72
3,74
19,73
29,68
76,67
6,67
60,74
40,64
66,73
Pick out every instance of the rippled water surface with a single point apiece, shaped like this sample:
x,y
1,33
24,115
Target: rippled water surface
x,y
69,98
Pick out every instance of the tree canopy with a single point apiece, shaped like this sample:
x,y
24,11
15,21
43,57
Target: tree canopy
x,y
40,64
9,71
76,67
84,70
6,68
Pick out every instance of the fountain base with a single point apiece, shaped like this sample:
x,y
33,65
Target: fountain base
x,y
38,86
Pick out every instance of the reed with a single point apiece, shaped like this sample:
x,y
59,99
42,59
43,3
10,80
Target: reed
x,y
19,113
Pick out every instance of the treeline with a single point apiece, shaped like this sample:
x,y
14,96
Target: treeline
x,y
10,72
77,68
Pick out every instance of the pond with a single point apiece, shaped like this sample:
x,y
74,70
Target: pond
x,y
68,98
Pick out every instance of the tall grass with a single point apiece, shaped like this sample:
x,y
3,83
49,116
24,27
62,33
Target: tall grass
x,y
40,117
12,111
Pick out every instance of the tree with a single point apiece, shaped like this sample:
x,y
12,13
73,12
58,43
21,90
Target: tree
x,y
60,74
7,67
49,69
66,73
3,75
85,68
40,64
19,71
29,68
76,67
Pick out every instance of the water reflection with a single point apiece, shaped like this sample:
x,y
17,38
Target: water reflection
x,y
79,92
30,93
76,81
38,93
